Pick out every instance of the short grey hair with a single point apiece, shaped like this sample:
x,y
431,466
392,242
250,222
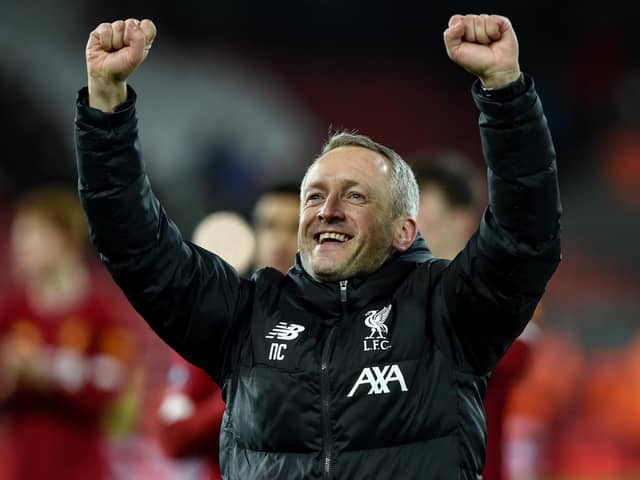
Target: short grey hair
x,y
405,195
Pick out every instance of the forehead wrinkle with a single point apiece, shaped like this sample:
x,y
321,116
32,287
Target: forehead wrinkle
x,y
344,182
365,173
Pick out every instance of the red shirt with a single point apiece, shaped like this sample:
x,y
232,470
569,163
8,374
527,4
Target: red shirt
x,y
191,416
53,425
504,377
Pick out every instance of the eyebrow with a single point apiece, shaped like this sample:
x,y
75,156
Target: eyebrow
x,y
344,183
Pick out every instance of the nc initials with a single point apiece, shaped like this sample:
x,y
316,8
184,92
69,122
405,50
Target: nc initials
x,y
276,351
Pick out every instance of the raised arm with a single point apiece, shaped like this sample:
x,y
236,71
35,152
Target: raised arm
x,y
190,297
491,288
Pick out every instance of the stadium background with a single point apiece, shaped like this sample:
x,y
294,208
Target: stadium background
x,y
236,95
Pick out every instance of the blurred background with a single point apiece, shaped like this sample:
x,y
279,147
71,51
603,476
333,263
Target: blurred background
x,y
236,96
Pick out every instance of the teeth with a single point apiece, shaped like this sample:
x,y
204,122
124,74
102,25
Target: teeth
x,y
333,236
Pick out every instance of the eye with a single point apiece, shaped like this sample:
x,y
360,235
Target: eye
x,y
356,196
313,198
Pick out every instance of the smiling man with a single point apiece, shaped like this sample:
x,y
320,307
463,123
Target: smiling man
x,y
369,358
351,220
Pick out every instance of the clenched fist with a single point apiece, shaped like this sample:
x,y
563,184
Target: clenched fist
x,y
484,45
114,51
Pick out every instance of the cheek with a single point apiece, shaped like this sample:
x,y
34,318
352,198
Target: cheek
x,y
29,243
300,234
377,230
305,220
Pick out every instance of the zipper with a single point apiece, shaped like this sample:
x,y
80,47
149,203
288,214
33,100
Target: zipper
x,y
324,385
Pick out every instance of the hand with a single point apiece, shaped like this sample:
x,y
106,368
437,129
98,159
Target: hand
x,y
23,364
113,52
484,45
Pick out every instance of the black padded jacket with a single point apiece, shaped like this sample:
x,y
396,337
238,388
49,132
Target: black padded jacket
x,y
380,377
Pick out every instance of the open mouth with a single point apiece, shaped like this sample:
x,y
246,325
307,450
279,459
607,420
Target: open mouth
x,y
333,237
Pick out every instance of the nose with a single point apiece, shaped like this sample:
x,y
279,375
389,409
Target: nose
x,y
331,210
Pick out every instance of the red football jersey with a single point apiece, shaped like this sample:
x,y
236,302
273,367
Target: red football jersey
x,y
190,416
59,372
509,369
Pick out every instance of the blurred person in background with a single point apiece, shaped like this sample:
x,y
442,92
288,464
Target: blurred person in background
x,y
450,200
63,355
314,399
191,412
275,221
576,414
450,210
540,406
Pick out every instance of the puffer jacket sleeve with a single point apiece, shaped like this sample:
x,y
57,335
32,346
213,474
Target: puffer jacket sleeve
x,y
490,290
193,299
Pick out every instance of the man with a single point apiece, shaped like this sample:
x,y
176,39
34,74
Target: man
x,y
64,352
450,200
449,212
191,412
369,359
275,221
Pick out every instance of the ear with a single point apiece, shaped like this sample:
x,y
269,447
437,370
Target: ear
x,y
404,233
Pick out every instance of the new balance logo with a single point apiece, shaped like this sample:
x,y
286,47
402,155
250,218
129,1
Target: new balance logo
x,y
285,331
378,379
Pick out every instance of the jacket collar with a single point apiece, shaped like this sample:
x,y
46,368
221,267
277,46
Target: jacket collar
x,y
324,297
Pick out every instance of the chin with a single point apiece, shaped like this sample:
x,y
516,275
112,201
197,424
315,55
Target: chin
x,y
329,277
329,274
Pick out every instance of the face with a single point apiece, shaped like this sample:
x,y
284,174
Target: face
x,y
36,245
445,229
276,223
346,227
